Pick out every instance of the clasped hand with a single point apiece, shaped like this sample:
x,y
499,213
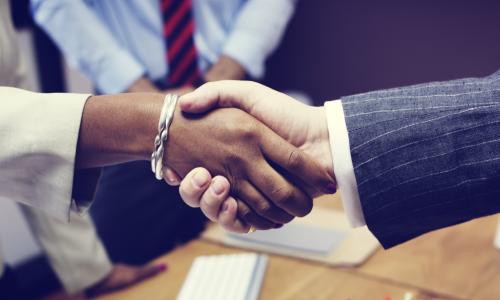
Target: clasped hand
x,y
269,155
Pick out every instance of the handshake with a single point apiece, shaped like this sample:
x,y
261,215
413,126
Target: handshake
x,y
409,160
250,157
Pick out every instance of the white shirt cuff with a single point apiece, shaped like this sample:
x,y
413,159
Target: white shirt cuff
x,y
342,163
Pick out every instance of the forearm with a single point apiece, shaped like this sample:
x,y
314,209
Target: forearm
x,y
225,68
88,44
142,85
426,152
257,32
118,128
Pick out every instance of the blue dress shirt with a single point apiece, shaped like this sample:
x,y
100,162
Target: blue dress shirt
x,y
115,42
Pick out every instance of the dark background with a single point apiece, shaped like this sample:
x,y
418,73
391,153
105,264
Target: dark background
x,y
335,48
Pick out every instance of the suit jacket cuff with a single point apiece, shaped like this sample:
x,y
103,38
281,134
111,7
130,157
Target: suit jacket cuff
x,y
342,162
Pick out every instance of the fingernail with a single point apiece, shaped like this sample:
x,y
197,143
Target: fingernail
x,y
171,178
199,179
162,267
331,188
218,187
225,206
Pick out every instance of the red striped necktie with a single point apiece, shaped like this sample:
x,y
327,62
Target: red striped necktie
x,y
178,31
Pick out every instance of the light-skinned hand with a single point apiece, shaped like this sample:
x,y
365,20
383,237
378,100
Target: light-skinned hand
x,y
273,180
304,126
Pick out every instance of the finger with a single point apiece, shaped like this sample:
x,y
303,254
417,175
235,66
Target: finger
x,y
225,93
228,217
194,185
312,177
280,191
171,177
246,214
214,196
149,271
261,205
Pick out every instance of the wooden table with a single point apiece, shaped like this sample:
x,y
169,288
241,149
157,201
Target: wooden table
x,y
454,263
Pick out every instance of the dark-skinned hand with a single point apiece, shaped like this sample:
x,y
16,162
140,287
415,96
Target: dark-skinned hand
x,y
271,178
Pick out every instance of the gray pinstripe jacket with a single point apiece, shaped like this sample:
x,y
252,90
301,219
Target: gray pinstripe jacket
x,y
426,156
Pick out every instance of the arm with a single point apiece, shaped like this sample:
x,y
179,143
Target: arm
x,y
424,157
301,125
225,68
237,146
251,42
121,128
257,31
87,44
37,148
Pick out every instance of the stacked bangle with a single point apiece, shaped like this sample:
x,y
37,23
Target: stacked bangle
x,y
166,116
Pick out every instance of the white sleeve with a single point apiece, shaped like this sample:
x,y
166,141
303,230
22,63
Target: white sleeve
x,y
69,247
342,162
257,32
88,44
38,140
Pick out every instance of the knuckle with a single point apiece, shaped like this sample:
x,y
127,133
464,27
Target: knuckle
x,y
210,202
186,189
295,160
187,197
248,132
250,218
209,214
235,160
232,225
264,208
207,85
254,87
243,211
235,186
284,195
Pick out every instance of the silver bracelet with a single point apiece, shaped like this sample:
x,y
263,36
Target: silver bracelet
x,y
166,117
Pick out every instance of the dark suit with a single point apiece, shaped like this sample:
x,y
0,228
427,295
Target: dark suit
x,y
426,156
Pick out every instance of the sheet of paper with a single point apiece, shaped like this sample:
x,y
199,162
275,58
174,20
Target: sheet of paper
x,y
297,237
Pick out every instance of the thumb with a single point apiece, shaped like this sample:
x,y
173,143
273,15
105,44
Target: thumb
x,y
226,93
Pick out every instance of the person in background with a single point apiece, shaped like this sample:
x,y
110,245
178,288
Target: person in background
x,y
69,245
51,145
153,46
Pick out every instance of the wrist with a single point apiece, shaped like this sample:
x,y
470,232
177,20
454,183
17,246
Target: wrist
x,y
118,128
225,68
142,85
320,138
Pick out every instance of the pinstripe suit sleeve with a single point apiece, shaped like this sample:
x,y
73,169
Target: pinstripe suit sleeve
x,y
426,156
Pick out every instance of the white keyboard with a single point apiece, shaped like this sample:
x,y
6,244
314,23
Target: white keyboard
x,y
221,277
